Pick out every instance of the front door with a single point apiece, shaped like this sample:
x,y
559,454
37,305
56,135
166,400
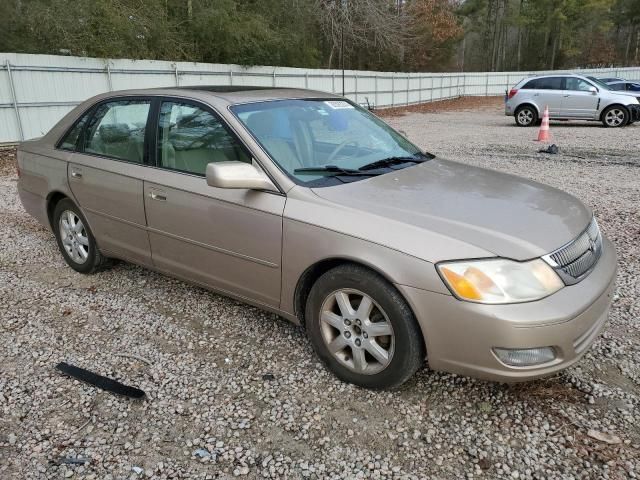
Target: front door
x,y
227,239
578,101
105,178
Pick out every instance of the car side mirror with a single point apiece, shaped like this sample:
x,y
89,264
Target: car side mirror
x,y
593,90
238,175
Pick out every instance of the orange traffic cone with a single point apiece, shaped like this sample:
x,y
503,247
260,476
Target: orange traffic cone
x,y
544,135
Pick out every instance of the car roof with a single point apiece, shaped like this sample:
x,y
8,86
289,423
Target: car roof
x,y
558,75
230,94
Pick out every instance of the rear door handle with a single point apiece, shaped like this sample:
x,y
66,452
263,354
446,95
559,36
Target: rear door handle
x,y
159,197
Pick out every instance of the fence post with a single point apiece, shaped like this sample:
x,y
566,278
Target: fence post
x,y
431,90
274,77
177,78
375,80
408,77
333,82
230,77
306,79
355,77
393,89
486,86
109,77
15,100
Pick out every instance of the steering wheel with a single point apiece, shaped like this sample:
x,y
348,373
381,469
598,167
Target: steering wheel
x,y
339,148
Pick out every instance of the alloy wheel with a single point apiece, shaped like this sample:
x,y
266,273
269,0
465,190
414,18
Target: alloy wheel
x,y
614,117
525,117
74,236
357,331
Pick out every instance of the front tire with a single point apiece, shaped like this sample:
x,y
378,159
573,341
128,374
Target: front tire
x,y
526,116
75,240
615,116
362,328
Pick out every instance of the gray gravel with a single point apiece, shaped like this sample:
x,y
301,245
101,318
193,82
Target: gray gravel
x,y
233,391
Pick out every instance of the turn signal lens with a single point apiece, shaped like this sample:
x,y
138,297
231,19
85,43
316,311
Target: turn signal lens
x,y
461,285
498,280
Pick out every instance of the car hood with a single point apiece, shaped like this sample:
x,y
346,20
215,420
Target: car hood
x,y
625,95
499,213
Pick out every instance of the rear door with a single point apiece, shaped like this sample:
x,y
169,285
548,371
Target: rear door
x,y
228,239
105,177
578,101
548,92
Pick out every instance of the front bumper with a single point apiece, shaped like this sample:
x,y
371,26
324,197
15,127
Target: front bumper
x,y
460,336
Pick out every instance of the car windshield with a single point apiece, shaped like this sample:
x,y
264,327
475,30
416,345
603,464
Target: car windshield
x,y
600,83
326,142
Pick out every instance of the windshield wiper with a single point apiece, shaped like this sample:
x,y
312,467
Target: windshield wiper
x,y
332,169
387,162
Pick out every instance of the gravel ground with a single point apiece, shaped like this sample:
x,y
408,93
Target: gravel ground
x,y
233,391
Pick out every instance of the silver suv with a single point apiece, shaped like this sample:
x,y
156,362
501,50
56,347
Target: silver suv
x,y
570,97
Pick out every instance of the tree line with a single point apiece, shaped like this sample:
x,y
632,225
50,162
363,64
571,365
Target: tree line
x,y
390,35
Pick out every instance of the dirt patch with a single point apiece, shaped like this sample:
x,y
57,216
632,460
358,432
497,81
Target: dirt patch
x,y
459,104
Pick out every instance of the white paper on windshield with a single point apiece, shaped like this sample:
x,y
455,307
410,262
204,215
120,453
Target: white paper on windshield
x,y
338,104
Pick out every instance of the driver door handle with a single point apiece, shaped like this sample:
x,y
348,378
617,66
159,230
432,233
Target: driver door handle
x,y
158,196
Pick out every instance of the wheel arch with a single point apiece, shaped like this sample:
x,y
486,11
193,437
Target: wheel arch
x,y
527,104
620,105
311,274
53,198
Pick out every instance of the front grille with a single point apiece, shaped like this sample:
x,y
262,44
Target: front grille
x,y
575,260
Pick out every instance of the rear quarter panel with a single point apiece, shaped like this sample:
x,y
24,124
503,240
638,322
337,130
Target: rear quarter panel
x,y
43,172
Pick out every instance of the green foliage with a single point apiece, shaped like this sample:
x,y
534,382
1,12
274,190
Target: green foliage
x,y
401,35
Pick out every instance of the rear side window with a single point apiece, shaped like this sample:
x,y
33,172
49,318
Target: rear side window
x,y
550,83
190,137
633,87
547,83
70,140
117,130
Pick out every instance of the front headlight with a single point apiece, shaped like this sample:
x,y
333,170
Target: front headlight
x,y
499,280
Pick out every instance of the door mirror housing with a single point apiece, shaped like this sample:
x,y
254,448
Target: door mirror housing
x,y
593,90
238,175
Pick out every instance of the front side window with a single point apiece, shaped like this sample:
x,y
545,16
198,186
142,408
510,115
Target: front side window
x,y
116,130
617,86
577,84
190,137
315,141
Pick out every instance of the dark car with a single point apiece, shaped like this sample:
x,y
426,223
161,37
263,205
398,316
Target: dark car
x,y
626,86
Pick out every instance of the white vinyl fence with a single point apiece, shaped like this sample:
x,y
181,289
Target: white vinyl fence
x,y
37,90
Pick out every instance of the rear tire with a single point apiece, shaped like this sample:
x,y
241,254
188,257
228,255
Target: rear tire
x,y
75,240
615,117
526,116
362,328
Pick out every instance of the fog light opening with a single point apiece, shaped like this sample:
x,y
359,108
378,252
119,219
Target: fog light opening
x,y
525,357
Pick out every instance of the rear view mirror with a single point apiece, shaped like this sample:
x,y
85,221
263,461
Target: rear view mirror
x,y
238,175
